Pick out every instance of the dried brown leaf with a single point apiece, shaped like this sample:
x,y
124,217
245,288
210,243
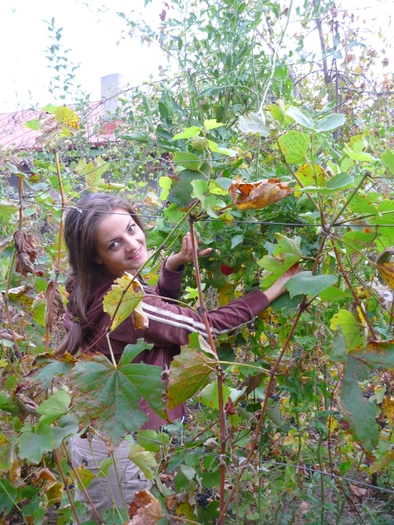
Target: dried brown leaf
x,y
145,509
258,195
229,407
54,315
26,252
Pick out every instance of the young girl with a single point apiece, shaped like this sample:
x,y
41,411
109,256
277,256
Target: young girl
x,y
105,239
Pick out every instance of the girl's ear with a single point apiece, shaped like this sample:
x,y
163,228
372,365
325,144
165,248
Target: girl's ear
x,y
98,260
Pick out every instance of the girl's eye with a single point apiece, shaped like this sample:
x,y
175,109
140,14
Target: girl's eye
x,y
132,228
113,245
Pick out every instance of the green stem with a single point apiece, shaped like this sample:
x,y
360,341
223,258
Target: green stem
x,y
361,182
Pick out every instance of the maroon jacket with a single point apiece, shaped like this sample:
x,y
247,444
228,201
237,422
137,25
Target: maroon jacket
x,y
169,326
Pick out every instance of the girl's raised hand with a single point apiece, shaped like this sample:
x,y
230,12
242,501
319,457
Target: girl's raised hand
x,y
185,254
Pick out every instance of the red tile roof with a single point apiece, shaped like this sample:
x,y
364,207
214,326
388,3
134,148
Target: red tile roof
x,y
14,135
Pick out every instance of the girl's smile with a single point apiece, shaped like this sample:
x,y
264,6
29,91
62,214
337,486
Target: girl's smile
x,y
121,244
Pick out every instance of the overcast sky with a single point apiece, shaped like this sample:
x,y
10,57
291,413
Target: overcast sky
x,y
93,40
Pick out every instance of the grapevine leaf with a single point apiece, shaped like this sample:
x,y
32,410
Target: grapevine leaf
x,y
294,146
330,122
8,496
189,372
54,407
34,441
212,124
300,117
377,354
351,328
123,297
5,453
152,440
181,189
359,411
188,133
277,266
144,459
310,175
188,160
108,398
388,160
253,123
306,282
67,425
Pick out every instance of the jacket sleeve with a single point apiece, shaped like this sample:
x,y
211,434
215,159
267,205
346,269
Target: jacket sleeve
x,y
170,324
170,283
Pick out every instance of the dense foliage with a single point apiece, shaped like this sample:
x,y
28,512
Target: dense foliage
x,y
291,418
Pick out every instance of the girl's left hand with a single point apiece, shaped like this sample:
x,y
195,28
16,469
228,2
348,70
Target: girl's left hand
x,y
185,254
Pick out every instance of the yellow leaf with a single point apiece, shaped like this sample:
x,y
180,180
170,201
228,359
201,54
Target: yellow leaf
x,y
310,176
86,477
122,300
380,465
67,117
388,408
54,493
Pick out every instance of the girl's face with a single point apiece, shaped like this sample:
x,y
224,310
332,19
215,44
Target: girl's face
x,y
121,243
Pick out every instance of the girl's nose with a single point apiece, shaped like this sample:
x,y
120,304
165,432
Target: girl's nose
x,y
130,244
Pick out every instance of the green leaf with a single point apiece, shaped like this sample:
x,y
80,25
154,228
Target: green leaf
x,y
144,459
54,407
189,372
188,133
277,266
306,283
7,209
294,146
209,202
34,441
237,239
253,123
388,160
8,404
330,122
353,331
33,124
108,398
5,453
181,190
300,117
120,301
165,183
188,160
209,395
49,371
341,181
212,124
358,241
152,440
8,496
358,411
360,157
377,354
67,426
334,294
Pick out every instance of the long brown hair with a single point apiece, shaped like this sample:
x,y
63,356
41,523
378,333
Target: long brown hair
x,y
80,234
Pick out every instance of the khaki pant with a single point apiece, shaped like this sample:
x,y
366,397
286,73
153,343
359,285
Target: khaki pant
x,y
121,483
